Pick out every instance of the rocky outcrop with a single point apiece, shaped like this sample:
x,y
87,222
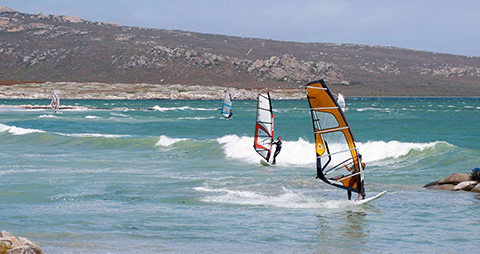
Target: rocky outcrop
x,y
9,244
457,182
6,9
284,68
42,47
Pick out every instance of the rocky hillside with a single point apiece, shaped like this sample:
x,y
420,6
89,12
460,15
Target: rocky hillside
x,y
40,47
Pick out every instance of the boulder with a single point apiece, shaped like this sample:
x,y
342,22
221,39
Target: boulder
x,y
11,245
434,183
456,178
475,172
465,185
446,186
476,188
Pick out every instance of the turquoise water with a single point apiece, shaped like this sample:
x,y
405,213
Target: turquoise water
x,y
180,178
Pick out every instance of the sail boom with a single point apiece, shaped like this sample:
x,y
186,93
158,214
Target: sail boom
x,y
335,153
331,130
325,108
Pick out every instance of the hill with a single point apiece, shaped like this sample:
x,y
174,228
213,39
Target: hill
x,y
40,47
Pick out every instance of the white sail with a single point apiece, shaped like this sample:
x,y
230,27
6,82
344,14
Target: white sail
x,y
55,104
264,127
341,102
227,110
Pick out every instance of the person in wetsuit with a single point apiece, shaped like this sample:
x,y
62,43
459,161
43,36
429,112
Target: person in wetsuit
x,y
352,169
278,143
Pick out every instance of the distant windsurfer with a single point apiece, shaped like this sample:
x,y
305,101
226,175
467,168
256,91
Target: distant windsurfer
x,y
278,143
352,169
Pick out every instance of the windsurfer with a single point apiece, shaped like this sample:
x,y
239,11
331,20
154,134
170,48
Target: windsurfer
x,y
352,169
278,143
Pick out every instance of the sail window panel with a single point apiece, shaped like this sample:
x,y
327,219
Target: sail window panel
x,y
264,116
338,153
263,136
324,120
262,152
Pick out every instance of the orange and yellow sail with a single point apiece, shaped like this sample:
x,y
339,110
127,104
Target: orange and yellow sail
x,y
338,160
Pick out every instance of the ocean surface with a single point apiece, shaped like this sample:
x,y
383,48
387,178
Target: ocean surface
x,y
179,178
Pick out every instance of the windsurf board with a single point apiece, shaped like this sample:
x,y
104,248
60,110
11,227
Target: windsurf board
x,y
363,201
265,163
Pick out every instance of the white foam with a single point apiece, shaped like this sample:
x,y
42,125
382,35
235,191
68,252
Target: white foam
x,y
17,130
91,117
287,199
47,116
374,109
163,109
196,118
381,150
293,152
118,114
167,141
94,135
302,153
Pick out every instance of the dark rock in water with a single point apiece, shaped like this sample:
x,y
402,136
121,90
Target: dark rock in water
x,y
446,186
465,185
476,188
456,178
435,183
475,172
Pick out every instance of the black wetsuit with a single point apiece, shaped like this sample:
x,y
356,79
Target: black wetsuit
x,y
277,149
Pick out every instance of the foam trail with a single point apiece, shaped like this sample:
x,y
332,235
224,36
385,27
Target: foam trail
x,y
287,199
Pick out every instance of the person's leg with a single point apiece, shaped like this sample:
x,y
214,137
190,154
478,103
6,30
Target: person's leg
x,y
275,156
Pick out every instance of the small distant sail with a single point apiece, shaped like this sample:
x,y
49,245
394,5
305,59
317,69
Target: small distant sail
x,y
341,102
55,104
227,110
338,160
264,126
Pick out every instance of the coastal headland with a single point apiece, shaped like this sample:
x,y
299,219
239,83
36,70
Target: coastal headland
x,y
142,63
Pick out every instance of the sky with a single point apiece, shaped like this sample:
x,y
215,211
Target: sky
x,y
440,26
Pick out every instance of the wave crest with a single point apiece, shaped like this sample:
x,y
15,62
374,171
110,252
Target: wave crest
x,y
302,152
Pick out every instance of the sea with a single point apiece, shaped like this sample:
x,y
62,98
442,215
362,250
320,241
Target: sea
x,y
174,176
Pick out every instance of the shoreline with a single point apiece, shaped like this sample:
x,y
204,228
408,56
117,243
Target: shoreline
x,y
123,91
120,91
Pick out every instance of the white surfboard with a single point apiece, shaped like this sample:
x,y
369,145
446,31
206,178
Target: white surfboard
x,y
265,163
363,201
